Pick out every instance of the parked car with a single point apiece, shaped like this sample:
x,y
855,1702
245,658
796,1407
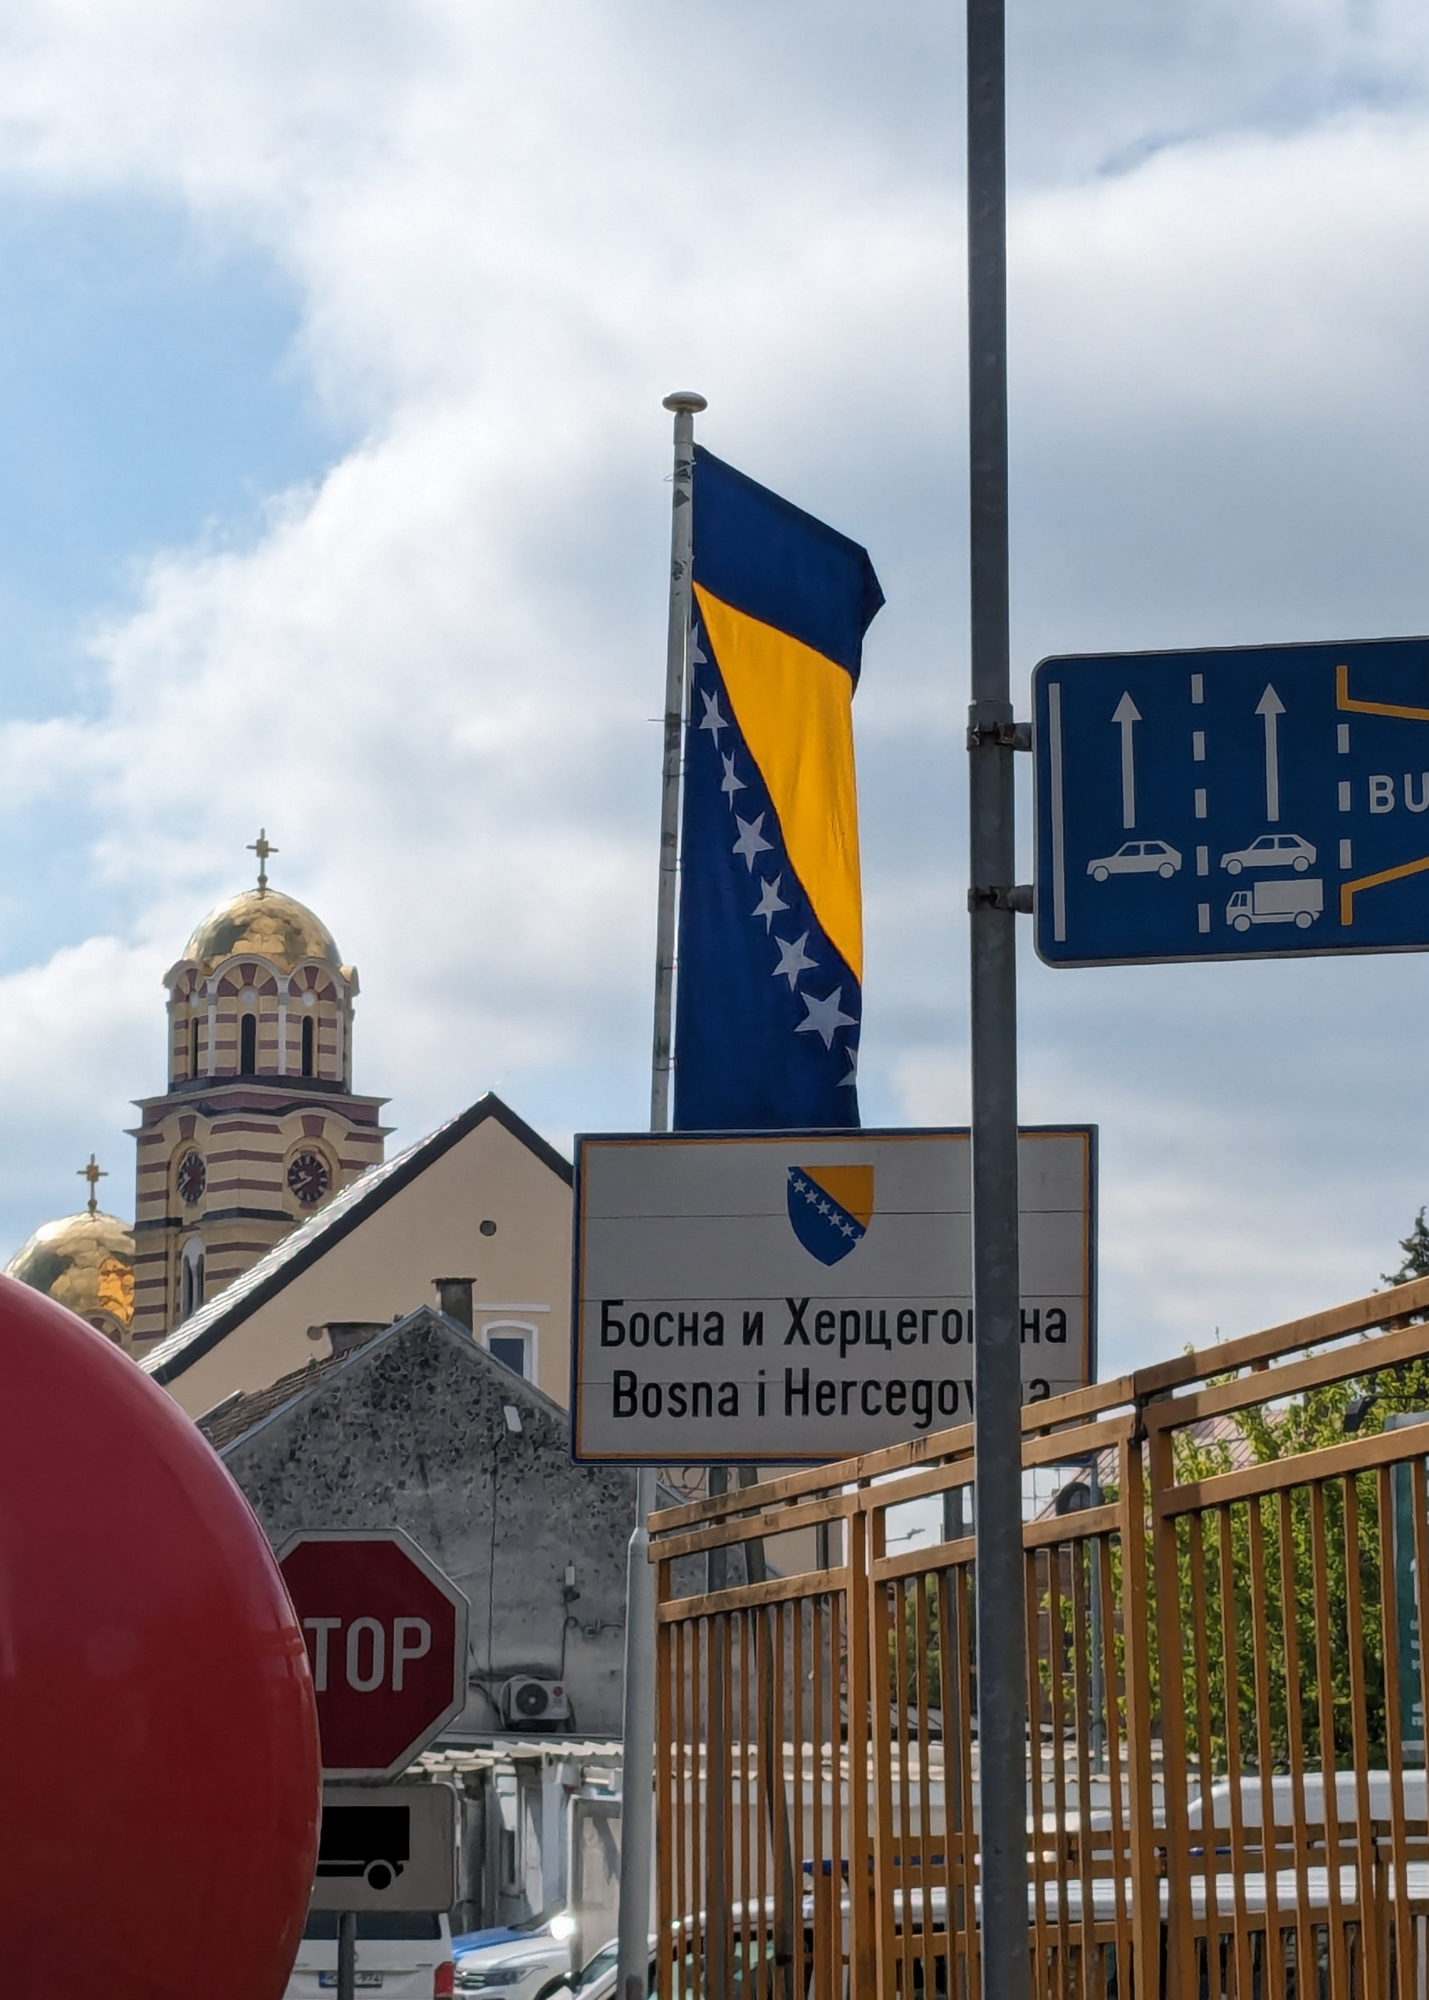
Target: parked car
x,y
556,1919
404,1955
596,1978
520,1968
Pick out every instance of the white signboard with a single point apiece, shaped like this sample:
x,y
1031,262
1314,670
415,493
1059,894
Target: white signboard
x,y
782,1297
387,1847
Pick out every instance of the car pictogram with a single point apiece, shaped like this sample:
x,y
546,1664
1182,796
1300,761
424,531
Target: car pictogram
x,y
1137,857
1272,850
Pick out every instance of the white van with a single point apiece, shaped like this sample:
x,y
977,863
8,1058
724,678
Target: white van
x,y
400,1955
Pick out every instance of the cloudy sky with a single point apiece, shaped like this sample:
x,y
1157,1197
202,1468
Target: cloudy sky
x,y
332,463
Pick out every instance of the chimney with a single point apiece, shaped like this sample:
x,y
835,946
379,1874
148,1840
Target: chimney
x,y
454,1299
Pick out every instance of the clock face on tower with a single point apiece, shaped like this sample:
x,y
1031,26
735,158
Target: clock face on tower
x,y
309,1179
192,1177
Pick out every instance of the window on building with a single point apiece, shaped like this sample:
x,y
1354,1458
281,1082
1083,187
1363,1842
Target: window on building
x,y
308,1045
248,1045
193,1047
191,1278
513,1345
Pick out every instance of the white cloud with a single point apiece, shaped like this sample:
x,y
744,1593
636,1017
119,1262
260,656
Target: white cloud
x,y
511,231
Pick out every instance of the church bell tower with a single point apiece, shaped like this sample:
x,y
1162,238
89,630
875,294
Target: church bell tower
x,y
259,1126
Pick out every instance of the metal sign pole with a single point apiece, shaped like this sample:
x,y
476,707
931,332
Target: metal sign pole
x,y
1001,1639
637,1807
347,1955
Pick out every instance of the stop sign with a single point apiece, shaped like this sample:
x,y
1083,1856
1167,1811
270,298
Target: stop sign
x,y
386,1639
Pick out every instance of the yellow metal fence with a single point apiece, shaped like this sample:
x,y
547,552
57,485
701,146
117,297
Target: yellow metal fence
x,y
1225,1777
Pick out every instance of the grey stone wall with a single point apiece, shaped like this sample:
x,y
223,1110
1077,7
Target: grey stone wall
x,y
410,1432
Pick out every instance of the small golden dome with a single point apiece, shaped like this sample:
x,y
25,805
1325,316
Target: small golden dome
x,y
266,923
85,1262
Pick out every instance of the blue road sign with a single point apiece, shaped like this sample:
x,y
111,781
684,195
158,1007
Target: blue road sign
x,y
1256,802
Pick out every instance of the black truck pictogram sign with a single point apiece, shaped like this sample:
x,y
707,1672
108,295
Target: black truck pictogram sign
x,y
374,1842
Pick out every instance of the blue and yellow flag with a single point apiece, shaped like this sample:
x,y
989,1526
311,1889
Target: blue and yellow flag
x,y
771,915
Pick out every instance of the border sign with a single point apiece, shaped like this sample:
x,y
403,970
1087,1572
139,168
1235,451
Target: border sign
x,y
1250,802
780,1297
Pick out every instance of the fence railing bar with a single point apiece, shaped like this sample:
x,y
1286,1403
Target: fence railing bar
x,y
1229,1637
1366,1853
753,1527
1295,1701
1401,1924
1356,1454
1062,1845
1115,1705
1357,1316
748,1596
1261,1573
1289,1378
1138,1641
1325,1706
1039,1718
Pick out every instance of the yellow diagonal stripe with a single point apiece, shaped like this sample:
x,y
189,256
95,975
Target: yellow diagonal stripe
x,y
1342,700
795,709
851,1188
1349,890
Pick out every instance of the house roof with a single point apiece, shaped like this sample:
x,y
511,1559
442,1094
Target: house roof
x,y
239,1415
203,1330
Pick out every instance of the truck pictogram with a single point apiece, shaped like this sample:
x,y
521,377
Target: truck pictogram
x,y
1296,902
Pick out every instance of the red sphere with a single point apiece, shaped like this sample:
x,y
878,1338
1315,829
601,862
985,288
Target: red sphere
x,y
159,1790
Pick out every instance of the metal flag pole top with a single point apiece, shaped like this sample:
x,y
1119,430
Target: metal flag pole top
x,y
637,1803
992,739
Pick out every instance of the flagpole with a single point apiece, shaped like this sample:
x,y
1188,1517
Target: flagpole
x,y
684,403
992,741
637,1806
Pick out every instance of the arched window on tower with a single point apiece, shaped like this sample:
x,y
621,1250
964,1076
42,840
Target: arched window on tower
x,y
248,1045
308,1039
191,1278
193,1047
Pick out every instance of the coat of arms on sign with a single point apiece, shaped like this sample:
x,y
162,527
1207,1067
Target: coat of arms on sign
x,y
830,1209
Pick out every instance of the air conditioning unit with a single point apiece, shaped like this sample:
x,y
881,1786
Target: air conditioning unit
x,y
525,1700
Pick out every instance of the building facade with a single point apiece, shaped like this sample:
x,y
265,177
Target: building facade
x,y
259,1125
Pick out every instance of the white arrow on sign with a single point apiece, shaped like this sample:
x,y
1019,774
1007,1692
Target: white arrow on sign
x,y
1270,708
1127,714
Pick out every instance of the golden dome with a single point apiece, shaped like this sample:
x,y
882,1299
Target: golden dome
x,y
85,1262
265,922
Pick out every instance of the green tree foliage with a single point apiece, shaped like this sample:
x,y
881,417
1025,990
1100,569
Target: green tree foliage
x,y
1308,1637
1416,1255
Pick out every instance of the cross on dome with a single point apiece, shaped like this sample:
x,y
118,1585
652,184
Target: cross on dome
x,y
94,1174
262,849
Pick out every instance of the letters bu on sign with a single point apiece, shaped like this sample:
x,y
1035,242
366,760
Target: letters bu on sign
x,y
786,1296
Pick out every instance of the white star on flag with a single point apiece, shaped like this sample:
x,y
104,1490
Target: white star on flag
x,y
792,960
848,1082
731,784
769,904
714,722
824,1017
751,840
698,656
